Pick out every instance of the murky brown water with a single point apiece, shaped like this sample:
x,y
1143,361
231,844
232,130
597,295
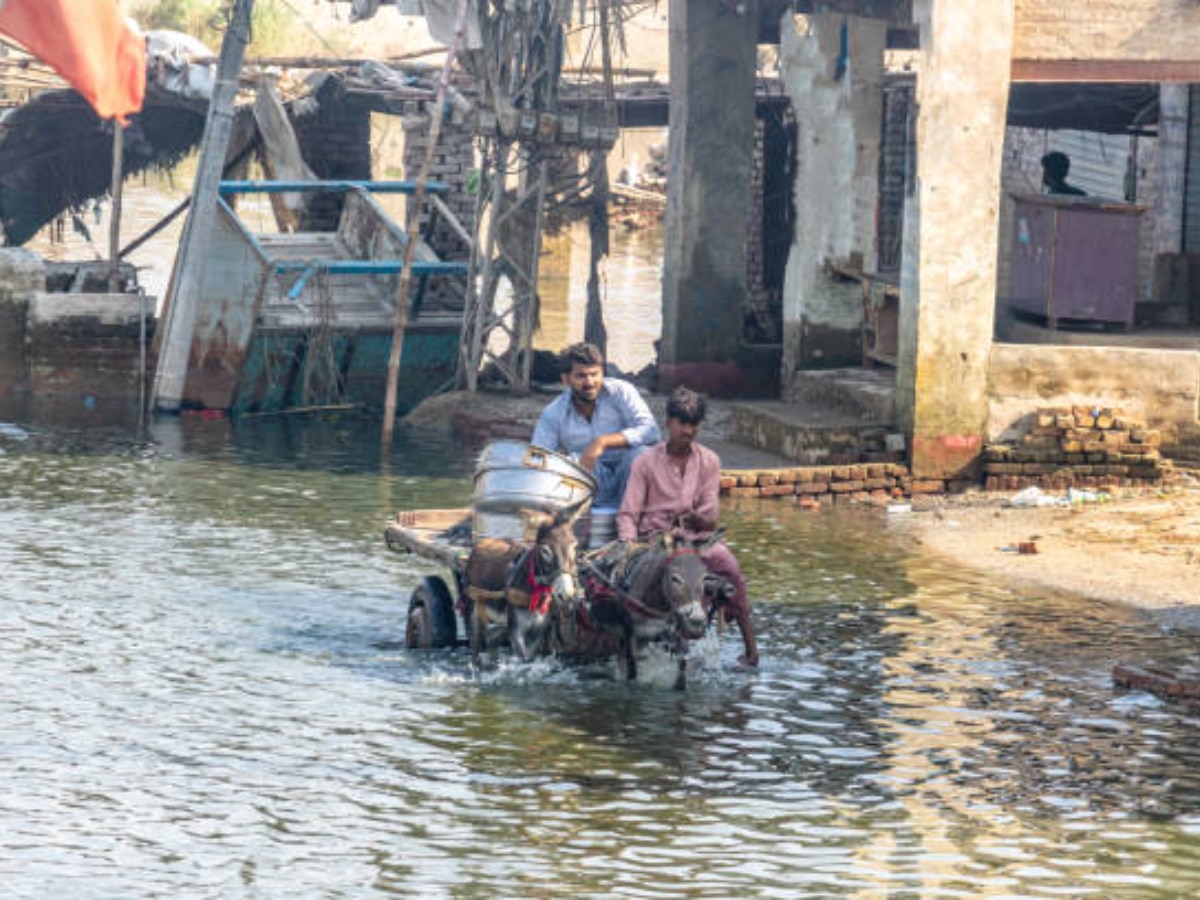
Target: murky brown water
x,y
206,695
206,692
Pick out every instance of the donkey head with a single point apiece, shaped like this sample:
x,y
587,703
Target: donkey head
x,y
687,587
553,559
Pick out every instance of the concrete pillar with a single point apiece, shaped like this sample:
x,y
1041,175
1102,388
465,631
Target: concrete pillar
x,y
948,283
1172,167
833,68
713,61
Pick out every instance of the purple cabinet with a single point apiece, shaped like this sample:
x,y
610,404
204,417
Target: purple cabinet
x,y
1075,258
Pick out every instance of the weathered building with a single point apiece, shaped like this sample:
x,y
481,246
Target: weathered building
x,y
956,384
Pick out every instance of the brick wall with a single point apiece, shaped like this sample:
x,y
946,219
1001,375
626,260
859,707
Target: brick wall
x,y
336,143
870,484
1148,30
453,160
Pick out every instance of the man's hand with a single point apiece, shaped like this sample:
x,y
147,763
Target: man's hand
x,y
588,458
693,521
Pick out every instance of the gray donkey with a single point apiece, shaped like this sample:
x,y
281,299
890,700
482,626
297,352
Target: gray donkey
x,y
638,594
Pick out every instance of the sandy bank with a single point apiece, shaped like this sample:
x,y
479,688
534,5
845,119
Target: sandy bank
x,y
1141,550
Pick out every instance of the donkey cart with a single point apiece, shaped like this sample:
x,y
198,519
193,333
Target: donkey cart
x,y
520,581
442,536
520,493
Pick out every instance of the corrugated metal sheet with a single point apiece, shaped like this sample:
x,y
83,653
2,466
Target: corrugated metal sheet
x,y
1191,200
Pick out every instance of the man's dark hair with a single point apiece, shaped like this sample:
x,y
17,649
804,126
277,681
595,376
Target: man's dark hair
x,y
686,406
1056,165
581,354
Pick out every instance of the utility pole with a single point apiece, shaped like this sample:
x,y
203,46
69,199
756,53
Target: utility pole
x,y
180,311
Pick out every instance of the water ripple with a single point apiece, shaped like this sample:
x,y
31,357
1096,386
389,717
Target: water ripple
x,y
206,695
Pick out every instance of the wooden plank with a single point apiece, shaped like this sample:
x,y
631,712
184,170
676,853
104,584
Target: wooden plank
x,y
304,246
1106,70
440,535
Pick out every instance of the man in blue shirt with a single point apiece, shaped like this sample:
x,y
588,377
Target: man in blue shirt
x,y
602,423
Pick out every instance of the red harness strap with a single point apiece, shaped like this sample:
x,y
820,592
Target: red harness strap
x,y
539,594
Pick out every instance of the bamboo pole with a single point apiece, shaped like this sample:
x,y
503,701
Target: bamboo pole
x,y
156,227
414,213
523,361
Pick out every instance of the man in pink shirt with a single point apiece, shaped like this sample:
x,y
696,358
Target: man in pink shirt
x,y
676,484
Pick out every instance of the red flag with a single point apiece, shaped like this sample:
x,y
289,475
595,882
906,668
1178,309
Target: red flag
x,y
87,42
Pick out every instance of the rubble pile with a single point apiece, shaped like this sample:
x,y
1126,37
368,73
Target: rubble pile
x,y
1077,447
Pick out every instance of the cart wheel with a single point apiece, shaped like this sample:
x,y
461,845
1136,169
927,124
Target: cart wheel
x,y
431,623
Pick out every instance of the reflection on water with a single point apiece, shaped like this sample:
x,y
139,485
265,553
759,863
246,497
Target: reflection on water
x,y
206,694
631,292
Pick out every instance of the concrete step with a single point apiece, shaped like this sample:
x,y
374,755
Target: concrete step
x,y
866,395
813,434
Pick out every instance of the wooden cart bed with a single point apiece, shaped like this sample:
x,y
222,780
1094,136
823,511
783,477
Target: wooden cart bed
x,y
440,535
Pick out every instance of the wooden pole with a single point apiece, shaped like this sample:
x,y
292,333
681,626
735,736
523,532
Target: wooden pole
x,y
176,346
525,317
416,201
594,331
155,228
114,225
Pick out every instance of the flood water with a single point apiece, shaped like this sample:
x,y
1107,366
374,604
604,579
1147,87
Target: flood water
x,y
206,694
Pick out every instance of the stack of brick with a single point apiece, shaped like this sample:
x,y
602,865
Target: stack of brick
x,y
1077,447
869,483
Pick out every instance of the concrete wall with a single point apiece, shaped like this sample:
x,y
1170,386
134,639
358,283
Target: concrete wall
x,y
87,345
1160,387
1149,30
839,108
67,345
22,275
